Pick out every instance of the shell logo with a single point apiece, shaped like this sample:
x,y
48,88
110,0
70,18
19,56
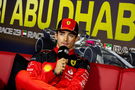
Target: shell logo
x,y
47,68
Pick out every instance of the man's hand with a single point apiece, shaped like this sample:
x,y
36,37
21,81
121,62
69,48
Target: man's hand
x,y
60,65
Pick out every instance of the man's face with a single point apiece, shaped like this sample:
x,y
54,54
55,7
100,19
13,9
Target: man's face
x,y
66,38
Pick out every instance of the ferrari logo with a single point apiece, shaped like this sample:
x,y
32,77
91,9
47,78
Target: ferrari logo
x,y
73,62
68,22
47,68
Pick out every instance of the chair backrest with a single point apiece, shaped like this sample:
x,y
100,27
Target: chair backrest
x,y
127,81
103,77
6,62
108,77
6,65
44,43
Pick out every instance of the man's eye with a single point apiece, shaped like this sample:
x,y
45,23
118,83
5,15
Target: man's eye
x,y
61,33
71,35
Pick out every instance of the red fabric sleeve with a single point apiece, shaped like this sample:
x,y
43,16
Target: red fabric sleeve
x,y
25,82
41,71
47,73
34,68
79,80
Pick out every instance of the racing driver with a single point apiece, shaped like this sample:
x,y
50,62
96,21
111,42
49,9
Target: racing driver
x,y
48,71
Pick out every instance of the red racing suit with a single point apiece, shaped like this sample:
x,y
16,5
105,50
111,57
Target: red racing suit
x,y
74,77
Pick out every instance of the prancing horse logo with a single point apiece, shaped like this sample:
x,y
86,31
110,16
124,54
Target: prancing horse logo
x,y
68,22
73,62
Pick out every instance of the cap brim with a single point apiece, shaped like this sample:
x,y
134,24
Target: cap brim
x,y
75,33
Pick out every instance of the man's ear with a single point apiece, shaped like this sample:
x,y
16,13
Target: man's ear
x,y
77,38
56,36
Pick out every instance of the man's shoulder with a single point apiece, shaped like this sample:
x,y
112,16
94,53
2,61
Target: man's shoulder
x,y
44,55
77,57
78,61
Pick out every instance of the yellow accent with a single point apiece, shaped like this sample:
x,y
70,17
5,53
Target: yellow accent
x,y
104,26
40,23
125,21
2,14
84,17
0,7
68,4
68,22
31,12
73,62
47,68
18,15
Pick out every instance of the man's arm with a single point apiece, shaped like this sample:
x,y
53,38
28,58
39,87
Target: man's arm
x,y
80,77
79,80
60,65
34,69
41,71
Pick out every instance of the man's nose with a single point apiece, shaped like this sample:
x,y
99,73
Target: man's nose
x,y
65,38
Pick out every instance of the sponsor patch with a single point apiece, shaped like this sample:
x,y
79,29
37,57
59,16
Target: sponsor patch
x,y
47,68
73,62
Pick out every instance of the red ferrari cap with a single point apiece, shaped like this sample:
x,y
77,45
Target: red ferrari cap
x,y
69,25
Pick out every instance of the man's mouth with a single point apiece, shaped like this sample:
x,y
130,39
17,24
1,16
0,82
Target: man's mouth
x,y
64,44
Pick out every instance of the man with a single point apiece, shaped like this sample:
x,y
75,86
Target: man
x,y
64,73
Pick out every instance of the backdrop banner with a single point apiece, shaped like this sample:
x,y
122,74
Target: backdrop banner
x,y
22,21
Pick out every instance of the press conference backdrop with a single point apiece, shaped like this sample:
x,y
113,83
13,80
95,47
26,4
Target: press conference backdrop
x,y
22,21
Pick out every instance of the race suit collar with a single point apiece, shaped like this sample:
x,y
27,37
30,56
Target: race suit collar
x,y
72,51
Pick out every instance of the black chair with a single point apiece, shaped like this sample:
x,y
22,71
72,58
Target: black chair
x,y
44,43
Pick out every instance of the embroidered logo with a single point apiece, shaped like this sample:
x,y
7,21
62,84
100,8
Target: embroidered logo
x,y
68,22
70,72
73,62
